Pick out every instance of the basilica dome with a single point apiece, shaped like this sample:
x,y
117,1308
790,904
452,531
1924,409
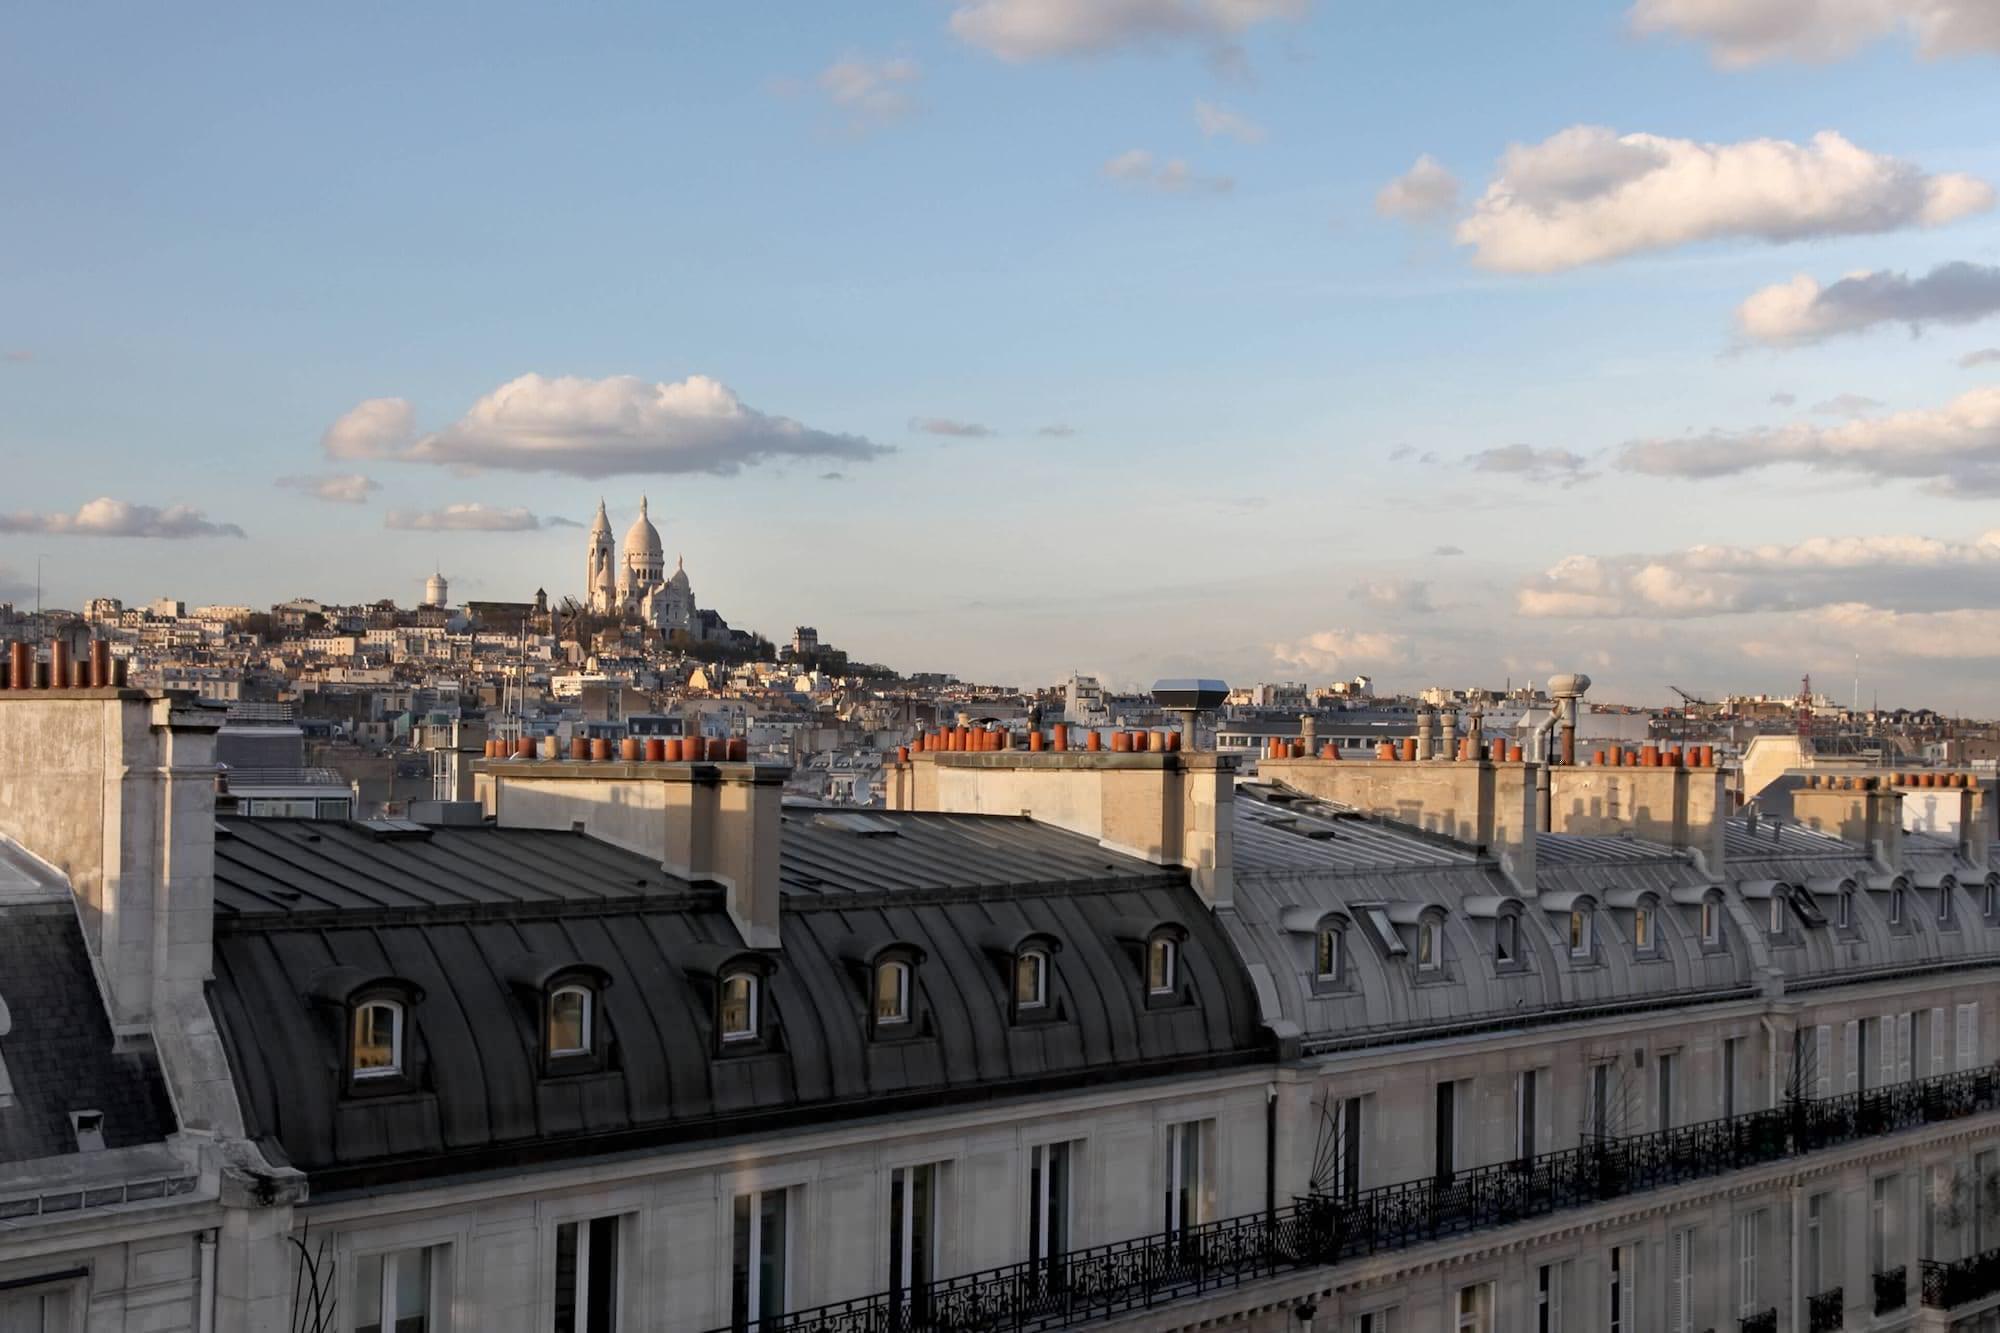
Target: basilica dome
x,y
643,538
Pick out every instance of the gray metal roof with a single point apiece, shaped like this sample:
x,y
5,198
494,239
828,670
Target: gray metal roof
x,y
1280,829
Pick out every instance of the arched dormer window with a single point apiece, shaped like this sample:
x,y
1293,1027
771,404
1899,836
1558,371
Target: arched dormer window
x,y
1158,949
1031,978
736,982
1711,920
572,1018
1430,944
375,1047
1582,932
1844,910
1896,906
892,992
740,1006
1163,964
1330,954
1024,961
1321,941
562,998
1645,939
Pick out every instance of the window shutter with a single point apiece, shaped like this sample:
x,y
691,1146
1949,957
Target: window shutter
x,y
1904,1022
1628,1276
1850,1036
1886,1040
1746,1273
1968,1034
1822,1061
1677,1284
1937,1041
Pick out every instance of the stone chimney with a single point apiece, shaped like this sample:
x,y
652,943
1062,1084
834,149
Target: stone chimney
x,y
700,821
1679,807
1973,835
1173,808
1485,803
1866,811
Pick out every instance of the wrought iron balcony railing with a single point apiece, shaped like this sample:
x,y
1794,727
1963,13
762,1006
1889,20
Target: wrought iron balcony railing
x,y
1892,1290
1319,1229
1764,1321
1826,1312
1946,1286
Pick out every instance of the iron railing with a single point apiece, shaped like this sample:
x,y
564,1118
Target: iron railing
x,y
1826,1312
1946,1286
1764,1321
1892,1290
1318,1229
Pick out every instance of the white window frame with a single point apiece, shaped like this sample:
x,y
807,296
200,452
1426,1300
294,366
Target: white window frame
x,y
751,1008
1747,1226
1621,1299
1038,996
584,1269
1478,1319
1823,1060
1680,1281
385,1298
901,972
1179,1134
1711,920
1945,908
1966,1048
1816,1238
1429,947
1549,1280
1042,1158
1507,938
1777,922
1165,951
1328,946
753,1290
396,1018
1845,919
1895,907
1644,941
906,1220
1581,934
586,1028
1850,1041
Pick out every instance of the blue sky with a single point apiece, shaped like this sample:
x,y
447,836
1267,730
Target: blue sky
x,y
229,226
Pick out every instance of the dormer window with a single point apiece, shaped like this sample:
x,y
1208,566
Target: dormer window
x,y
1507,938
1428,952
1162,965
1944,905
737,1018
377,1048
1711,922
1642,930
1031,979
1990,898
1844,913
1778,910
892,993
1329,949
1896,907
571,1013
1581,938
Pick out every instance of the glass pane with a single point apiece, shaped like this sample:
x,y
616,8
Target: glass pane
x,y
566,1278
602,1281
771,1256
1028,979
739,1263
375,1038
1159,965
569,1022
368,1294
413,1291
889,993
737,1017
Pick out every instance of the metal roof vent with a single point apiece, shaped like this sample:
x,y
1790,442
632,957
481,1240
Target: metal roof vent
x,y
89,1129
395,830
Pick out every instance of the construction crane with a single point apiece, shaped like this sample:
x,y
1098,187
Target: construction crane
x,y
1689,699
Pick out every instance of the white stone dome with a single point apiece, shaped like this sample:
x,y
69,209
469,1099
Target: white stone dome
x,y
643,538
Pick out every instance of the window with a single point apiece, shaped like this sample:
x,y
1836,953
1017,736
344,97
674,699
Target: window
x,y
1984,1164
1680,1281
1895,907
1624,1273
913,1209
378,1039
1747,1227
1711,921
1851,1033
892,993
1989,900
1031,979
1579,933
1446,1126
1186,1175
1427,946
1935,1024
45,1311
392,1292
1822,1070
1550,1279
1936,1185
1525,1116
739,1007
1507,938
1732,1060
1475,1309
1968,1035
1162,966
1328,950
1642,929
586,1283
1049,1206
1944,905
1845,918
1778,910
1376,1321
760,1262
569,1020
1347,1148
1600,1100
1884,1222
1816,1246
1668,1067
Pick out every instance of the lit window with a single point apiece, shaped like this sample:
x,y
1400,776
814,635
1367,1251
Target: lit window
x,y
569,1021
1642,929
1506,938
1162,965
1579,933
1427,945
739,1006
1711,921
378,1039
1031,979
892,993
1327,954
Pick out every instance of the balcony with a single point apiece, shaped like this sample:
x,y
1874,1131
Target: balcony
x,y
1321,1229
1825,1313
1946,1286
1892,1290
1764,1321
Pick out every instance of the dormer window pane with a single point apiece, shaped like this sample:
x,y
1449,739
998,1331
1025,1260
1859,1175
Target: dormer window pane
x,y
1031,979
739,1006
1711,922
1326,963
1846,910
892,993
1579,934
1506,941
1895,907
378,1039
1777,912
1160,966
569,1021
1944,904
1427,949
1642,929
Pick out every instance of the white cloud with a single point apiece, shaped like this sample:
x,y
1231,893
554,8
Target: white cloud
x,y
1845,405
468,516
1220,122
594,428
1741,33
1904,571
105,517
1964,634
1039,29
1425,193
1587,194
1985,356
869,94
1136,166
1954,449
1410,597
341,488
372,428
1524,460
961,430
1341,651
1801,311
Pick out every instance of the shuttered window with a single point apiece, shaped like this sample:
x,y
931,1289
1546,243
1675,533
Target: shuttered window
x,y
1680,1282
1937,1041
1968,1035
1746,1261
1823,1061
1885,1041
1850,1041
1904,1022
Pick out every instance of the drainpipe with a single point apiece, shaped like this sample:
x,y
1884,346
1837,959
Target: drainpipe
x,y
206,1317
1271,1157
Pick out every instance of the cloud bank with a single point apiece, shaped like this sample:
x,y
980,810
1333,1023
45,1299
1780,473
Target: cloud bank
x,y
1587,194
1425,193
349,488
1801,311
1741,33
869,94
961,430
1039,29
468,516
106,517
1526,461
1137,166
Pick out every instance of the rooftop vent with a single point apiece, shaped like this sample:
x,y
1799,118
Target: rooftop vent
x,y
89,1127
863,826
395,830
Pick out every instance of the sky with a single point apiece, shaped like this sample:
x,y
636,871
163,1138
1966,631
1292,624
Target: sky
x,y
1266,339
